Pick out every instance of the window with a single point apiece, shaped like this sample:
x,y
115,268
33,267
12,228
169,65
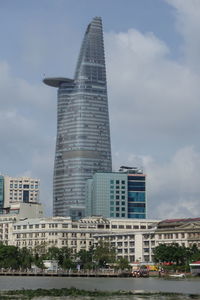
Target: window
x,y
135,227
26,186
143,227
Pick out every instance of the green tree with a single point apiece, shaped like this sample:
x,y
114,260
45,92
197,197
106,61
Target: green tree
x,y
162,253
104,254
86,258
53,253
9,257
66,259
176,254
25,258
123,264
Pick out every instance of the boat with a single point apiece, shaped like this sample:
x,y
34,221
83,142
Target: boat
x,y
182,275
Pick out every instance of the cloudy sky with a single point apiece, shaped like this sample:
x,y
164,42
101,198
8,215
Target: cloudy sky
x,y
153,69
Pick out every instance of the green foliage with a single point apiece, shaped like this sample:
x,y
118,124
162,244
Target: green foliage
x,y
85,258
123,264
175,253
62,255
9,257
104,254
25,258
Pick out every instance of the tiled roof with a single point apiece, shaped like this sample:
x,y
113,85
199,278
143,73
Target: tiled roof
x,y
181,220
195,262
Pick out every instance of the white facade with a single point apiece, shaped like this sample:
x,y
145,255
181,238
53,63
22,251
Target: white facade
x,y
185,232
15,213
133,239
20,189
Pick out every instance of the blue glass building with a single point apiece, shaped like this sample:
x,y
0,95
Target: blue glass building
x,y
83,134
118,194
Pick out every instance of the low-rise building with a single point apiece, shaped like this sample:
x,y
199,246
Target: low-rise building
x,y
185,232
16,212
132,239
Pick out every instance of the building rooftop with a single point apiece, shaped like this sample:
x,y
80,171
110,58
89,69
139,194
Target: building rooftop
x,y
180,220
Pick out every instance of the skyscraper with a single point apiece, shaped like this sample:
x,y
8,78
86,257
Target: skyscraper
x,y
83,134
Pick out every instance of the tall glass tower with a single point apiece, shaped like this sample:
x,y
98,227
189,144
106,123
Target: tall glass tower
x,y
83,133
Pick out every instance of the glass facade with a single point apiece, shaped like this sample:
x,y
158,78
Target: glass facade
x,y
137,196
117,195
83,134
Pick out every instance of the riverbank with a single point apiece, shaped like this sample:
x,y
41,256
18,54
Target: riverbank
x,y
76,294
88,273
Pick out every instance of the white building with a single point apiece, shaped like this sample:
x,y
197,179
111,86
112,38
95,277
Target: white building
x,y
185,232
132,239
15,213
20,189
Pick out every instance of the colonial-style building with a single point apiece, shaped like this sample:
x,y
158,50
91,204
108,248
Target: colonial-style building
x,y
185,232
135,239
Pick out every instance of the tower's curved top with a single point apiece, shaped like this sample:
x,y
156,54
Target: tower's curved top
x,y
91,60
91,54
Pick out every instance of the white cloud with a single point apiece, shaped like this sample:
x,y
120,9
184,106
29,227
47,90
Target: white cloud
x,y
173,186
187,14
26,130
154,107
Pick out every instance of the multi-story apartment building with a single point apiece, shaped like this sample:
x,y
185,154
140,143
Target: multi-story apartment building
x,y
117,194
83,131
18,189
185,232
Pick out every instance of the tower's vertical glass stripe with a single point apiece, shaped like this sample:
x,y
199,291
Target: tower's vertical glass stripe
x,y
83,133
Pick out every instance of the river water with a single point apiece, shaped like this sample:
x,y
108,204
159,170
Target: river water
x,y
185,286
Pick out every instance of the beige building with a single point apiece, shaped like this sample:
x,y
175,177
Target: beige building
x,y
185,232
20,189
13,214
133,239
